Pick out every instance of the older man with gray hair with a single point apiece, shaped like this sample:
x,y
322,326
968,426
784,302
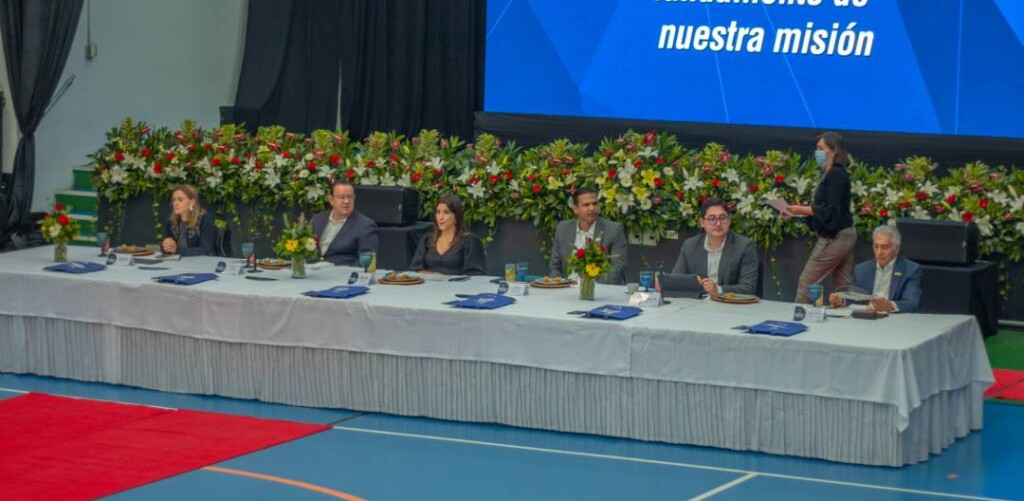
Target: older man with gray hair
x,y
894,281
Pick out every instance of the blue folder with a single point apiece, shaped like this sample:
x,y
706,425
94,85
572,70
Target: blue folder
x,y
485,301
186,278
76,267
614,312
339,292
777,328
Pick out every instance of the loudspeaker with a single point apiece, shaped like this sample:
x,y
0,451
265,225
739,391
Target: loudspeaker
x,y
388,205
939,242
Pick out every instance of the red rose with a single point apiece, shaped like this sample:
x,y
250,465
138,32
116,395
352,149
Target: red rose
x,y
493,179
939,209
983,203
703,198
637,164
780,179
536,188
659,182
258,165
144,152
416,176
157,168
57,207
350,173
531,177
604,249
170,156
951,199
905,205
370,164
286,155
208,145
236,160
63,220
311,165
715,182
581,253
119,157
215,162
753,188
437,172
967,216
335,159
612,173
883,212
922,196
396,144
679,195
650,138
659,161
393,158
976,187
607,153
566,172
474,180
507,175
191,147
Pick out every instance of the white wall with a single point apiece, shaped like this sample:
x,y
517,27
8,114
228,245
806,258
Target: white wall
x,y
159,61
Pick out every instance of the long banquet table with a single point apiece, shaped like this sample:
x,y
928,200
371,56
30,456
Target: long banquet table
x,y
886,392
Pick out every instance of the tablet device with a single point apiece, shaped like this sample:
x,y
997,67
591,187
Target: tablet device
x,y
680,285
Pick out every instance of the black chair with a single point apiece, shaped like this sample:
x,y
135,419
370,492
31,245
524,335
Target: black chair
x,y
222,243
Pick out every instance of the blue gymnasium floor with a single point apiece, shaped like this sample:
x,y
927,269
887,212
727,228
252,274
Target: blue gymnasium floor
x,y
383,457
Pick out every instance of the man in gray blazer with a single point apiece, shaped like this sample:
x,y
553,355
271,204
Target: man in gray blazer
x,y
572,234
343,231
724,261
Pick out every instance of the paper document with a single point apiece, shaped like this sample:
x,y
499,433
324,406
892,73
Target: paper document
x,y
855,296
168,257
782,206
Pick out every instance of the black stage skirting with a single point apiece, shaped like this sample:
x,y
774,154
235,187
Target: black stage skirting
x,y
971,290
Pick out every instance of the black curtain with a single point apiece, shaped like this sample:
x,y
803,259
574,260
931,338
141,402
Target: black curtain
x,y
37,37
404,64
289,73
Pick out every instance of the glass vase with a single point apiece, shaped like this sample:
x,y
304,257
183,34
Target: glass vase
x,y
587,286
60,251
298,267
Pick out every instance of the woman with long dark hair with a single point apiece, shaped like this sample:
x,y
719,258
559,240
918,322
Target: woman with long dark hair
x,y
190,230
450,249
829,216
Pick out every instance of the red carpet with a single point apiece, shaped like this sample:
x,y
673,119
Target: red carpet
x,y
1005,379
64,448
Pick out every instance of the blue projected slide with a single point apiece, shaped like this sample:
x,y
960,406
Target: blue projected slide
x,y
919,66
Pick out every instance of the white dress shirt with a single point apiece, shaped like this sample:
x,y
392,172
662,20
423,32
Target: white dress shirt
x,y
583,236
330,231
883,282
714,259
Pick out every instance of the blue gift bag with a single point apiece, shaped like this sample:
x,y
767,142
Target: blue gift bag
x,y
339,292
485,301
76,267
614,312
186,278
777,328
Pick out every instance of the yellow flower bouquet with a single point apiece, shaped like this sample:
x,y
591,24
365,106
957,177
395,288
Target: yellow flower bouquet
x,y
298,243
589,262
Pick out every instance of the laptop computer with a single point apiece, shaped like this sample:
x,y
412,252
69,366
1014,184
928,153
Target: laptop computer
x,y
680,285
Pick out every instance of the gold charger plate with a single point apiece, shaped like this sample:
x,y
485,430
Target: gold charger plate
x,y
271,265
415,281
135,250
736,299
551,285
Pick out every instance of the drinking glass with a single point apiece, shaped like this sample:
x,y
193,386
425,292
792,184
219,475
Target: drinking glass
x,y
522,270
814,292
247,250
102,238
510,272
365,259
646,279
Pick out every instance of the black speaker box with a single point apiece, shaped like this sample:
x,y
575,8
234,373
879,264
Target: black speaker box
x,y
951,243
388,205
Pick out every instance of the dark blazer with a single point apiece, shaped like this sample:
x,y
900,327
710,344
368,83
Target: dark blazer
x,y
905,288
466,257
612,236
200,239
359,234
737,269
832,203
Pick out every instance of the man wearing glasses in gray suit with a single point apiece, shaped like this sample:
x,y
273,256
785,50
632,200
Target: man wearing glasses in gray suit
x,y
724,261
344,232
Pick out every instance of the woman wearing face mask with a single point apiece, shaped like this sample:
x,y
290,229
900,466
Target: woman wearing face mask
x,y
450,249
830,217
190,230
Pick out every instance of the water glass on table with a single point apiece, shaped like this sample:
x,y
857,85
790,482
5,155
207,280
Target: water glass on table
x,y
102,239
522,271
815,293
646,280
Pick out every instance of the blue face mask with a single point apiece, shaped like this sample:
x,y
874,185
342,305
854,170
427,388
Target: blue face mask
x,y
821,157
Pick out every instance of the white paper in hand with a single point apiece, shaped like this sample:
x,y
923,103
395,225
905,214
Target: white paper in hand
x,y
782,206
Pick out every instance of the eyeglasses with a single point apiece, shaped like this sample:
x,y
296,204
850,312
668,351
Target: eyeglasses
x,y
717,220
344,197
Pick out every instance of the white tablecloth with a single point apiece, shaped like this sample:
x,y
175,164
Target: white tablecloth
x,y
898,362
